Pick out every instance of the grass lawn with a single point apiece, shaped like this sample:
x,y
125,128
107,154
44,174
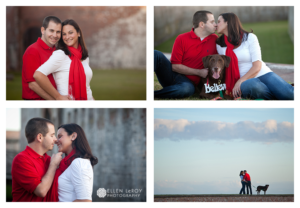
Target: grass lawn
x,y
275,43
105,85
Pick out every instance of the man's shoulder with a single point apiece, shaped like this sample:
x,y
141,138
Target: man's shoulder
x,y
213,37
184,35
21,157
32,49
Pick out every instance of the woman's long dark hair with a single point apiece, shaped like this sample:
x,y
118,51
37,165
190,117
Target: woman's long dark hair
x,y
81,144
62,46
235,30
241,173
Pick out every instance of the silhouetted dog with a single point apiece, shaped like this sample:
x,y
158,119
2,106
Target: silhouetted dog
x,y
264,188
211,86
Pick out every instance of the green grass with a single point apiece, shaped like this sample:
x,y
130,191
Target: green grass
x,y
105,85
274,40
8,193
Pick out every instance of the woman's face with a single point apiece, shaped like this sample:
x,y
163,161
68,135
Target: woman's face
x,y
64,141
222,25
70,36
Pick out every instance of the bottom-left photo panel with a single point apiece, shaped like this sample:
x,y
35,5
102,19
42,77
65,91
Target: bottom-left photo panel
x,y
76,155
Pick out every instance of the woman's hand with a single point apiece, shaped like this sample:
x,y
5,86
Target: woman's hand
x,y
236,91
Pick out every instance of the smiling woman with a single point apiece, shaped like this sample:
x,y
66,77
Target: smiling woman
x,y
73,180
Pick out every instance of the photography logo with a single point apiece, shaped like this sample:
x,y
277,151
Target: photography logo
x,y
113,193
101,192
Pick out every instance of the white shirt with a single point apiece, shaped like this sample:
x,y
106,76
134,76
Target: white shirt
x,y
76,182
248,52
59,65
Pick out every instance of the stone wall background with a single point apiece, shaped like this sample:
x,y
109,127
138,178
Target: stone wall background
x,y
115,36
117,138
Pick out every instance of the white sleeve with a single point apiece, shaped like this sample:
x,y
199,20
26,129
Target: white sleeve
x,y
81,176
220,50
254,47
53,64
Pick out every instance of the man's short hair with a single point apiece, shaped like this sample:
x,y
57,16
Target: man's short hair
x,y
50,18
245,171
36,126
200,16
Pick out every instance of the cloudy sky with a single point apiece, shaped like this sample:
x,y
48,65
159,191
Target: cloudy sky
x,y
202,151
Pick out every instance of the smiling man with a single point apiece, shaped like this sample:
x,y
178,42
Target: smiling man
x,y
37,54
32,169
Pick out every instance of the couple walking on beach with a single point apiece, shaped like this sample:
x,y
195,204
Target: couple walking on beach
x,y
246,181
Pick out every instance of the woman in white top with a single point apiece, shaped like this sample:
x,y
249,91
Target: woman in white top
x,y
256,80
242,191
73,180
69,65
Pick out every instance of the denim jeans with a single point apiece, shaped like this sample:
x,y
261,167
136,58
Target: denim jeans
x,y
174,85
268,87
248,186
243,187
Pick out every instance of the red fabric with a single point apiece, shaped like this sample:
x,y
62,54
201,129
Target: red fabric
x,y
232,72
188,50
64,164
77,80
34,56
28,169
247,177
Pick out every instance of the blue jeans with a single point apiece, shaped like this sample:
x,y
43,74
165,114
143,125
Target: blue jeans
x,y
243,187
248,186
174,85
268,87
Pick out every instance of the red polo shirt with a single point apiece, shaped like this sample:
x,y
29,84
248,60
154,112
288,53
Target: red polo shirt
x,y
28,169
189,50
247,177
34,56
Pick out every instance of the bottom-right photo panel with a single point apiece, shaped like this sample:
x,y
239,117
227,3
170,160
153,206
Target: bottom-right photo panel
x,y
224,155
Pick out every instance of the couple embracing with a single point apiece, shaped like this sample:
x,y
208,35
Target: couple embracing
x,y
36,177
56,66
246,182
247,75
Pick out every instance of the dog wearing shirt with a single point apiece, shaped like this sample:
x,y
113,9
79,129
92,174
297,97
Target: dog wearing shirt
x,y
214,84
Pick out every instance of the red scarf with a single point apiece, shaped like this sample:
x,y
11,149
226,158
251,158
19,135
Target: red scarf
x,y
232,72
52,195
77,80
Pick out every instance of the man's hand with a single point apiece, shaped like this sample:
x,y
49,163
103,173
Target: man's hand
x,y
203,73
56,158
63,97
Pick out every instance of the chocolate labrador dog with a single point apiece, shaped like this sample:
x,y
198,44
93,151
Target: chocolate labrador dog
x,y
211,86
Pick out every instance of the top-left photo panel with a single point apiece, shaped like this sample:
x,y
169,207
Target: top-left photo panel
x,y
75,53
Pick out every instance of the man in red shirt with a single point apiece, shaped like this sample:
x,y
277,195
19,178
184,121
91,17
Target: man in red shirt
x,y
179,77
32,169
37,54
248,184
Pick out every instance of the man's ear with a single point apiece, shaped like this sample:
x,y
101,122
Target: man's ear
x,y
201,24
42,30
39,137
226,60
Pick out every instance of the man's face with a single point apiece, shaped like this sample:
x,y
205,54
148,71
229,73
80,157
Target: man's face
x,y
50,138
52,34
210,26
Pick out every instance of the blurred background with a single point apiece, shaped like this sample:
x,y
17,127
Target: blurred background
x,y
117,138
115,38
